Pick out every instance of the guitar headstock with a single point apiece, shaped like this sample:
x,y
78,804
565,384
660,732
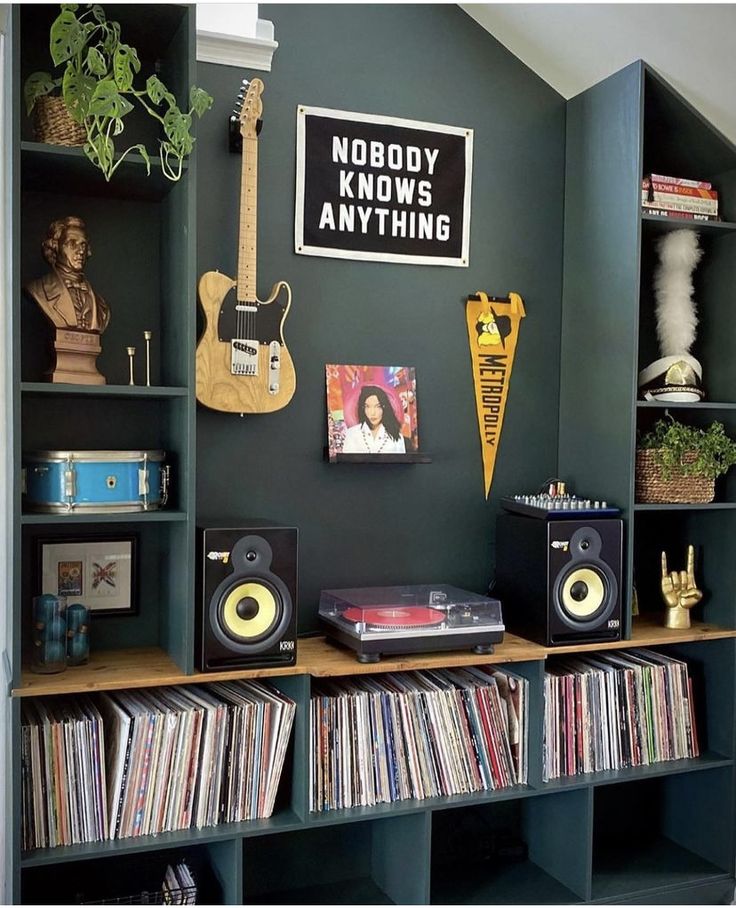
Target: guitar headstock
x,y
245,120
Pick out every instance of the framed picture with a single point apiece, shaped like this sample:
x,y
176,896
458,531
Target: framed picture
x,y
371,410
99,572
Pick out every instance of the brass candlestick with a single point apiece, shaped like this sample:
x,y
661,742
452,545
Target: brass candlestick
x,y
148,335
131,354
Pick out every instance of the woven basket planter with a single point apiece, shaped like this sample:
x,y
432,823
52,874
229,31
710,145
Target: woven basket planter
x,y
53,124
652,488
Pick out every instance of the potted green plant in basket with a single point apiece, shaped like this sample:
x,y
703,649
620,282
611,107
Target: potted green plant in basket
x,y
97,91
676,463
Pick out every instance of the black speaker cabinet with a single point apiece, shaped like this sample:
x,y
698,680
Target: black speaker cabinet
x,y
559,581
246,581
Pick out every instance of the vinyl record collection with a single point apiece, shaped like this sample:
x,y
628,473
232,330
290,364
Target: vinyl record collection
x,y
419,734
615,710
133,763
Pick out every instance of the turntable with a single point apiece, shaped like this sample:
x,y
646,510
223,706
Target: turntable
x,y
410,619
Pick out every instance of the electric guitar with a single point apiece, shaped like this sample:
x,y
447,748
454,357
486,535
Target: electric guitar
x,y
242,364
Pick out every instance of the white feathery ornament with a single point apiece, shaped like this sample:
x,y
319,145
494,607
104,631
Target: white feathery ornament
x,y
679,253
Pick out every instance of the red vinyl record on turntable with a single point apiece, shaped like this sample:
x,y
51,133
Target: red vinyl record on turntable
x,y
395,616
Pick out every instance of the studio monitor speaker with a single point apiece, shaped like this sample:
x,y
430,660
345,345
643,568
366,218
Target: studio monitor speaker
x,y
246,581
560,580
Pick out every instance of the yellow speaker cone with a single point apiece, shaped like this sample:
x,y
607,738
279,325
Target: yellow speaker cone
x,y
249,610
583,592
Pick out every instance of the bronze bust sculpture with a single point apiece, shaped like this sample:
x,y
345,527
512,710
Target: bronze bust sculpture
x,y
67,299
64,294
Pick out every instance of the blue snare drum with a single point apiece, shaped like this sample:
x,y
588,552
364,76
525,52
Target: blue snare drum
x,y
94,482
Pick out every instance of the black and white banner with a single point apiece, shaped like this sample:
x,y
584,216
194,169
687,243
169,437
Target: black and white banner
x,y
382,189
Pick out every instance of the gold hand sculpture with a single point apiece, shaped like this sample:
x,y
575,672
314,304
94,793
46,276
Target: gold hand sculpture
x,y
679,591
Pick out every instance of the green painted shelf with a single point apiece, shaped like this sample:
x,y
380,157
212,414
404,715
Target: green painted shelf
x,y
133,517
123,391
284,821
661,223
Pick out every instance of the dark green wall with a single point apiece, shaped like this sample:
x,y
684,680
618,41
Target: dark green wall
x,y
377,524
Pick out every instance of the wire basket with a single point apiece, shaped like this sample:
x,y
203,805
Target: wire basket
x,y
651,487
52,123
184,896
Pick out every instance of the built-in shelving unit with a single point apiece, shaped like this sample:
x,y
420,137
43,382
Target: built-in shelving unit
x,y
647,844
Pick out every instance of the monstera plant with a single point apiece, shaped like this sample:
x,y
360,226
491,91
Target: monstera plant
x,y
98,91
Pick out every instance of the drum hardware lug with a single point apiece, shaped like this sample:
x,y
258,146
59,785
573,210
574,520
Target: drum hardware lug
x,y
143,487
165,481
70,483
111,482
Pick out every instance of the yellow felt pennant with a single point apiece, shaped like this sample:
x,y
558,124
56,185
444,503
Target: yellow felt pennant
x,y
493,330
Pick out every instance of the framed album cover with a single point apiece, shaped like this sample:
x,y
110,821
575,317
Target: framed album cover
x,y
99,572
371,410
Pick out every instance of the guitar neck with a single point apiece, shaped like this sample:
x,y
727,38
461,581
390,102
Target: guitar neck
x,y
248,221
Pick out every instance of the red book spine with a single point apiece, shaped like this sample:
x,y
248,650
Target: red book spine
x,y
679,181
677,190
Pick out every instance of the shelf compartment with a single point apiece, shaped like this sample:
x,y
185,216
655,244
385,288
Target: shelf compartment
x,y
53,168
127,875
532,851
380,862
661,833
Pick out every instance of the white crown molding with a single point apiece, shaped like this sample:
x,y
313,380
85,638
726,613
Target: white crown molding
x,y
237,50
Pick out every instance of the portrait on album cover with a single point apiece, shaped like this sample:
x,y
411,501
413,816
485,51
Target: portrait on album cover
x,y
371,410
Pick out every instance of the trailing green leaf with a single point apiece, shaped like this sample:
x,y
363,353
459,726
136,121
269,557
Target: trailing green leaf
x,y
77,89
67,35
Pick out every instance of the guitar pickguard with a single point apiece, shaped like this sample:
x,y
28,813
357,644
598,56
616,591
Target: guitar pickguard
x,y
256,322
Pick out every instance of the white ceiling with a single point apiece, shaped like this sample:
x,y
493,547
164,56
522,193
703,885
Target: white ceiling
x,y
574,45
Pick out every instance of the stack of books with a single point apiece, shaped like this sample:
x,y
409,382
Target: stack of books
x,y
424,734
614,710
674,197
133,763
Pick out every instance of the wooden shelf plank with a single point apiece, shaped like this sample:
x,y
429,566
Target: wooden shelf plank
x,y
151,667
648,631
324,659
131,668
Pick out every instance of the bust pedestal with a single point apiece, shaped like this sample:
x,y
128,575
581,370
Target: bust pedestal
x,y
76,357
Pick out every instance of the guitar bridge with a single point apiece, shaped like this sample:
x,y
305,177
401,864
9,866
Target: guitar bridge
x,y
243,357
